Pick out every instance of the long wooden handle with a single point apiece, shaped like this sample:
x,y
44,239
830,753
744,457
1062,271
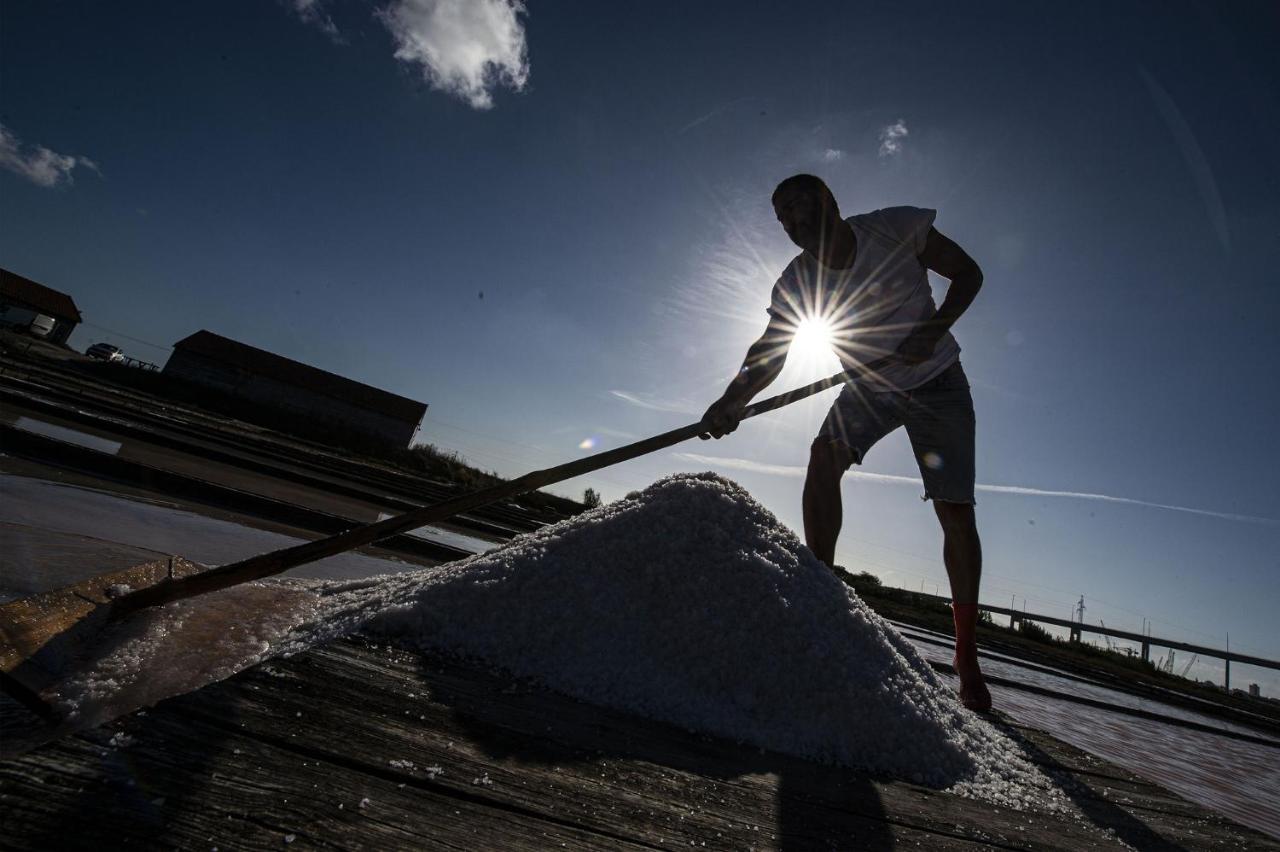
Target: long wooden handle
x,y
277,561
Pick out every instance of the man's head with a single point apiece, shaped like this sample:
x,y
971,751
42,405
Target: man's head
x,y
807,210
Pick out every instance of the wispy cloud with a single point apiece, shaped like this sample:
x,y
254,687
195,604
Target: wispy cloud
x,y
465,48
749,465
832,155
704,118
752,466
1193,154
891,137
37,163
650,402
616,433
313,13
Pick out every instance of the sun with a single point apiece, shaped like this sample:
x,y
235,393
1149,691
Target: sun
x,y
812,340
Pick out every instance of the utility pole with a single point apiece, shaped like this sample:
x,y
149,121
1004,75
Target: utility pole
x,y
1226,683
1077,615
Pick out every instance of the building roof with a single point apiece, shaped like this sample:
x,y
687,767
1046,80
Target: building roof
x,y
282,369
44,299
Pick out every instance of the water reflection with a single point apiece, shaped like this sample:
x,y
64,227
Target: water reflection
x,y
62,433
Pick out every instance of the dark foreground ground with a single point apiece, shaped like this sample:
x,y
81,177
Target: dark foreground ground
x,y
359,746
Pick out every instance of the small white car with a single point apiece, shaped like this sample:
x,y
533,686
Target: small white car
x,y
105,352
42,326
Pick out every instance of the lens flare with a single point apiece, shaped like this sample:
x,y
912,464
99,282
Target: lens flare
x,y
588,443
813,339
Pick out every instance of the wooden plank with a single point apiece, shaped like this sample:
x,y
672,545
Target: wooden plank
x,y
171,788
236,766
606,788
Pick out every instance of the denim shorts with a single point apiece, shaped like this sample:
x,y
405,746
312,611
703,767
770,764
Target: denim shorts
x,y
938,416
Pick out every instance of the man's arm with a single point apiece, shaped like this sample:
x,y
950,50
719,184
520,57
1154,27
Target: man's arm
x,y
764,361
944,257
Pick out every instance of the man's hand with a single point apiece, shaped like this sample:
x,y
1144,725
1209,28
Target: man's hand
x,y
919,345
722,417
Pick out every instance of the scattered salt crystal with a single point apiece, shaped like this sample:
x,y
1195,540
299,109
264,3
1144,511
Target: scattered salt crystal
x,y
689,603
364,803
120,740
483,781
397,763
289,838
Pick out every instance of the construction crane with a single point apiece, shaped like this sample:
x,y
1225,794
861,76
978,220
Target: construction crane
x,y
1188,666
1105,637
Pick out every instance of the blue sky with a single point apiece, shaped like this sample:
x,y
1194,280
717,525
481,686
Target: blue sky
x,y
339,181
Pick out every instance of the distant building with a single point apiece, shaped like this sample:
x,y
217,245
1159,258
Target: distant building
x,y
1255,691
314,402
22,301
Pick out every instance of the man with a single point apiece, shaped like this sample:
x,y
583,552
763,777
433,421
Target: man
x,y
866,278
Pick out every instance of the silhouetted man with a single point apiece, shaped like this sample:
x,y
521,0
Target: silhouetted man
x,y
866,278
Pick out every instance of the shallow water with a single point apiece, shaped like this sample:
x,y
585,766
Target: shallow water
x,y
229,475
64,433
1235,778
1069,682
30,507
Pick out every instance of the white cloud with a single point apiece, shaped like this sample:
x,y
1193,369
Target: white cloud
x,y
37,163
889,479
891,137
832,155
465,48
651,403
313,12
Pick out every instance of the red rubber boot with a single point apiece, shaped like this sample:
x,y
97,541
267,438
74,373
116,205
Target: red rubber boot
x,y
973,689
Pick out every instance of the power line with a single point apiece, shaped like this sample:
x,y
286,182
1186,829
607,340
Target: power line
x,y
126,336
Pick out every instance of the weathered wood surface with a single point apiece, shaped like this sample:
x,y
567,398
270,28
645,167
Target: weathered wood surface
x,y
293,748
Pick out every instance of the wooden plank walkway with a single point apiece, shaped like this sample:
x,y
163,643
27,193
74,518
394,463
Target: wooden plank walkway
x,y
358,746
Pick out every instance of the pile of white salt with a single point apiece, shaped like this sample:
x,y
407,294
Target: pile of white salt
x,y
690,603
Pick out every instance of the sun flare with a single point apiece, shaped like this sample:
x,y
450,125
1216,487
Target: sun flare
x,y
813,339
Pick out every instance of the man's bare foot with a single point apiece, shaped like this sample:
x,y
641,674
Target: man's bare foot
x,y
973,689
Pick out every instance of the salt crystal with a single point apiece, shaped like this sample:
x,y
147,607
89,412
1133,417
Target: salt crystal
x,y
689,603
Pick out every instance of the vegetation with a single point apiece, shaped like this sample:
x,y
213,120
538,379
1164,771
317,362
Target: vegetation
x,y
1033,631
591,498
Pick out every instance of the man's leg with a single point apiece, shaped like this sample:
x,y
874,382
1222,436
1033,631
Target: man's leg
x,y
962,554
961,549
828,460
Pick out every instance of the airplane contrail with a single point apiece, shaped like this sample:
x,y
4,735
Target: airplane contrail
x,y
890,479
